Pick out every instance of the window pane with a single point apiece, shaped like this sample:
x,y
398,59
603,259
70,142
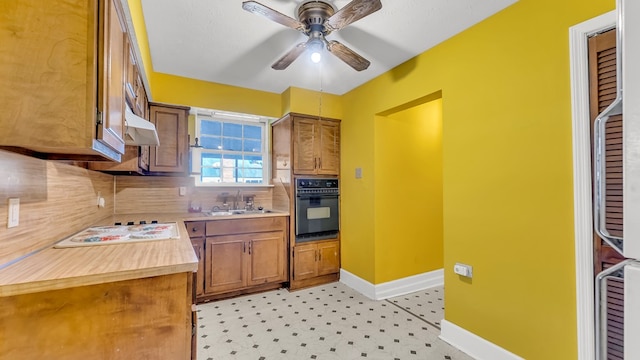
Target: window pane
x,y
232,151
211,142
252,145
211,160
210,127
254,161
233,130
232,144
230,167
210,168
252,132
252,172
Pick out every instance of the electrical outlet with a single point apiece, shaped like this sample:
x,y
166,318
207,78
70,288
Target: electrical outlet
x,y
100,201
182,191
14,213
463,270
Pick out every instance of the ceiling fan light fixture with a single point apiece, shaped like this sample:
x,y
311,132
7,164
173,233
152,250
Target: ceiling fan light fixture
x,y
316,19
316,46
316,57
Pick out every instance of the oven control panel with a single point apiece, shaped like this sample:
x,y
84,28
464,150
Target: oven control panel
x,y
317,186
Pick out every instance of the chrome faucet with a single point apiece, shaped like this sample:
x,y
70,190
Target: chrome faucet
x,y
237,200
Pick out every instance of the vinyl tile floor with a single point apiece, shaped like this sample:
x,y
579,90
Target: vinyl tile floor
x,y
331,321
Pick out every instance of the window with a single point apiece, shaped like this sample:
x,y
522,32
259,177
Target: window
x,y
233,149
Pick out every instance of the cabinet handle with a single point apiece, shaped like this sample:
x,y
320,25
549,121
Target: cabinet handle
x,y
319,163
319,255
316,255
244,247
194,229
250,248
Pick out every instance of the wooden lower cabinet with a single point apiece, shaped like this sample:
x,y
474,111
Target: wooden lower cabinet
x,y
198,247
196,234
239,255
148,318
238,261
313,262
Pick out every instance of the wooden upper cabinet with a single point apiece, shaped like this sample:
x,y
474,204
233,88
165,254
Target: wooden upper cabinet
x,y
329,148
307,145
316,146
63,84
111,61
171,122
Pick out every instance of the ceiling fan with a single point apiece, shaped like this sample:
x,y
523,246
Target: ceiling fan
x,y
317,19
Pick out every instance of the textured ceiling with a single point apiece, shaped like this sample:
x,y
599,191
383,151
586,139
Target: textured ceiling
x,y
218,41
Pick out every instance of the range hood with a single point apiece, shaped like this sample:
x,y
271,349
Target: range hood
x,y
139,131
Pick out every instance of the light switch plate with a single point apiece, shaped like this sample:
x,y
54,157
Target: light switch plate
x,y
14,213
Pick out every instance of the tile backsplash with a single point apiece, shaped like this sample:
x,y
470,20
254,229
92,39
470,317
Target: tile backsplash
x,y
56,200
161,194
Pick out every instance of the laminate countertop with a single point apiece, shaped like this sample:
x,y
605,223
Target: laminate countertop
x,y
53,269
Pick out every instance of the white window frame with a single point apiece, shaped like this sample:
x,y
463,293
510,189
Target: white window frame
x,y
236,118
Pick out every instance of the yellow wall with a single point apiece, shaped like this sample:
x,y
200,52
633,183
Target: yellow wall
x,y
184,91
408,199
507,174
314,103
506,168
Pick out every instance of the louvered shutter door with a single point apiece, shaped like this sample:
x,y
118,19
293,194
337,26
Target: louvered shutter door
x,y
602,69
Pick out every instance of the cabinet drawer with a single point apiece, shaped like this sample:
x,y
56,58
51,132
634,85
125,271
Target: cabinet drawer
x,y
242,226
195,228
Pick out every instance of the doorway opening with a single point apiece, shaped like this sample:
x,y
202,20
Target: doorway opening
x,y
583,208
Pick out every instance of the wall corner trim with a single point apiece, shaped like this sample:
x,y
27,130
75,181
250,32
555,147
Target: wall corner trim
x,y
393,288
473,344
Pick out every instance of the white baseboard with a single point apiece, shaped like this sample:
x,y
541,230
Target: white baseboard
x,y
472,344
392,288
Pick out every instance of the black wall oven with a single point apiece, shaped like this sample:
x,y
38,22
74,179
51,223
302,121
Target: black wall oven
x,y
317,209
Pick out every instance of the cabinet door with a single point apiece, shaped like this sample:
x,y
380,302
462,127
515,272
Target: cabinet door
x,y
328,257
266,262
225,267
304,261
131,73
198,247
305,145
112,78
329,145
171,124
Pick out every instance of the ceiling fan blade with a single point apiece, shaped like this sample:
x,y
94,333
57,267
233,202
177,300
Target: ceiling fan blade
x,y
347,55
269,13
289,57
352,12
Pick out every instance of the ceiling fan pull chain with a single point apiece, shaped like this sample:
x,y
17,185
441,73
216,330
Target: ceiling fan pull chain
x,y
320,96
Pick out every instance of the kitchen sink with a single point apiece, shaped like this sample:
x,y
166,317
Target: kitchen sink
x,y
218,213
237,212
